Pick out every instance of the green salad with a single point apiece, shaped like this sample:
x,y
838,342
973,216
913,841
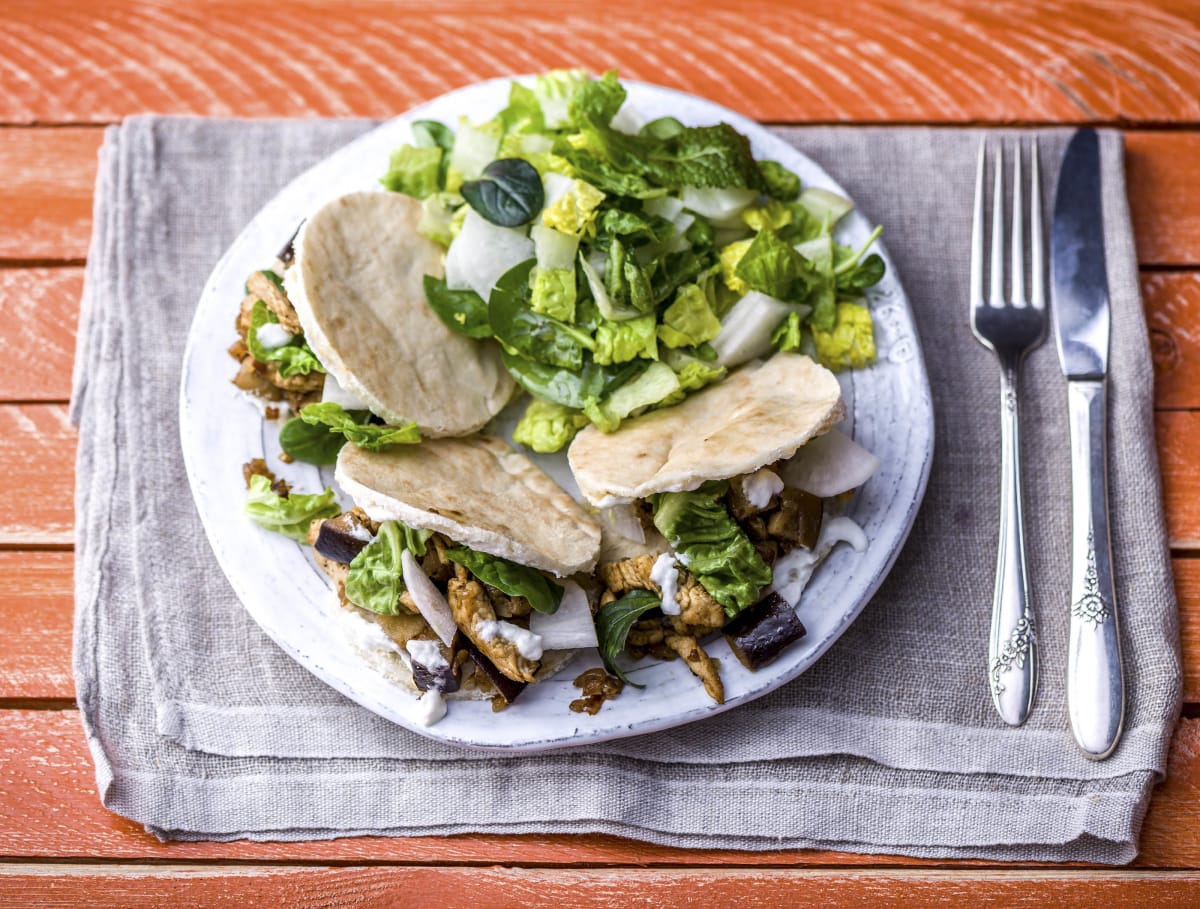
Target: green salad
x,y
622,265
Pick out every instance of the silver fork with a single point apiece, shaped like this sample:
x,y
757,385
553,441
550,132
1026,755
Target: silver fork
x,y
1010,329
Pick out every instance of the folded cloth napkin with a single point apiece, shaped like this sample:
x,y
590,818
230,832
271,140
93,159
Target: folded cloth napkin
x,y
201,728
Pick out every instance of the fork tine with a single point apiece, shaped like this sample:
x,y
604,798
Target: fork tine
x,y
1016,294
997,263
1037,272
976,294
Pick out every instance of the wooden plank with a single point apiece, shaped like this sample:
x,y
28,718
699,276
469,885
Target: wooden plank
x,y
1167,228
36,614
1173,315
35,662
49,808
1179,460
39,308
45,201
510,888
46,194
945,62
37,449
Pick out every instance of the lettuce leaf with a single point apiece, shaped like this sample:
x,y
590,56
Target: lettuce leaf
x,y
310,444
528,333
574,210
851,341
692,372
713,547
620,342
462,310
656,383
415,171
376,577
356,429
294,359
574,388
781,183
689,321
546,427
553,293
509,577
625,279
290,514
771,265
786,336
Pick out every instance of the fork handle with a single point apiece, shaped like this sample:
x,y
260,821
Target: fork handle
x,y
1095,681
1012,649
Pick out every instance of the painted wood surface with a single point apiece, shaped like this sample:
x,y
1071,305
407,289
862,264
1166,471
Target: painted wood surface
x,y
46,197
49,808
941,62
512,888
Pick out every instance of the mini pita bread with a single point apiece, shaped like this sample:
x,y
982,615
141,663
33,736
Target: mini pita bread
x,y
756,416
477,491
356,285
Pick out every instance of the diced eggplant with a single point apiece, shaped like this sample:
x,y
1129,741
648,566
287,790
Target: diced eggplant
x,y
739,505
798,520
763,632
506,687
337,544
443,678
769,550
756,528
287,255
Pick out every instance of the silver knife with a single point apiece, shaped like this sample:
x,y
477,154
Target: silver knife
x,y
1095,681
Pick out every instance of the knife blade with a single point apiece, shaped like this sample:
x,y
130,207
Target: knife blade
x,y
1080,305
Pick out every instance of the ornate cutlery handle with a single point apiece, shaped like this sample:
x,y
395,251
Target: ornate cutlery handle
x,y
1013,646
1095,683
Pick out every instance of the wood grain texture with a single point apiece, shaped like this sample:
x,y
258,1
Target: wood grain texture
x,y
35,613
1161,190
49,808
46,198
39,308
1173,317
46,194
950,61
1187,593
500,888
37,451
1179,460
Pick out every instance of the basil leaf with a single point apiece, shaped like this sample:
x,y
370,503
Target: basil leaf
x,y
290,514
312,444
509,193
463,311
515,580
613,622
371,436
532,334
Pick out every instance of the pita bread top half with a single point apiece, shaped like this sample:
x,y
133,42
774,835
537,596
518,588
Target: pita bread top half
x,y
756,416
478,491
357,288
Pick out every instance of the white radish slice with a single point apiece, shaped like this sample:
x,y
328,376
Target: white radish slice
x,y
717,204
430,602
623,520
746,329
571,627
333,393
482,252
829,465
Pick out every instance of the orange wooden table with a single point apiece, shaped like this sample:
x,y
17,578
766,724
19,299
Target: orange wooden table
x,y
67,69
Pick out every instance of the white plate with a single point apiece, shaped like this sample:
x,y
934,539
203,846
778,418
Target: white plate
x,y
891,413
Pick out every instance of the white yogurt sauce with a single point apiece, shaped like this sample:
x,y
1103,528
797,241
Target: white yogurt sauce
x,y
761,486
272,335
359,532
528,644
430,708
428,654
665,574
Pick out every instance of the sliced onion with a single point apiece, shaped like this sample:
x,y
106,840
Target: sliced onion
x,y
830,465
571,627
430,602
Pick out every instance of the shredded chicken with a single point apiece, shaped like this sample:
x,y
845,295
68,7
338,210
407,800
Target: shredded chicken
x,y
469,605
697,608
700,663
260,287
629,574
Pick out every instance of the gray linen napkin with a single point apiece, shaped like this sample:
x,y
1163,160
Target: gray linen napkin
x,y
202,729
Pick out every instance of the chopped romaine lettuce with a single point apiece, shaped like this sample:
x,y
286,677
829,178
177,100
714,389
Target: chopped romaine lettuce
x,y
295,358
546,426
290,514
376,577
414,171
620,342
787,335
570,204
851,341
516,580
656,383
553,292
689,321
355,428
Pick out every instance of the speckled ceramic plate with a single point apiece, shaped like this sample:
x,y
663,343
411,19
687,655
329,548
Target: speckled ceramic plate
x,y
891,413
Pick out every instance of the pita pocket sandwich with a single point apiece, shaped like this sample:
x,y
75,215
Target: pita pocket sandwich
x,y
357,287
713,514
454,568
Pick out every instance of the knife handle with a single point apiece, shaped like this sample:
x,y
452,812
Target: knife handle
x,y
1012,646
1095,681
